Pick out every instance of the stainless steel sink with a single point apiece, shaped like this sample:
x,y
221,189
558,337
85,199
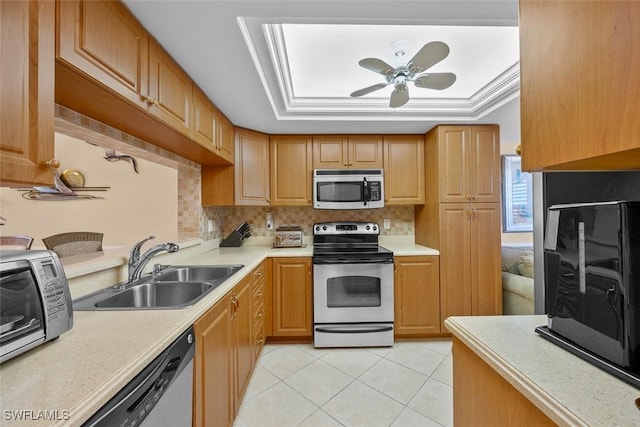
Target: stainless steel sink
x,y
197,273
174,287
157,294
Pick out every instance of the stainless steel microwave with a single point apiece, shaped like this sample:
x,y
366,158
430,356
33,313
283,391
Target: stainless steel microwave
x,y
35,302
348,188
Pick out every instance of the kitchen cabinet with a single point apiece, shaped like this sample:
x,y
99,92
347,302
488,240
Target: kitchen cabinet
x,y
416,296
224,358
170,94
246,183
258,287
252,168
27,103
465,165
241,319
482,397
470,264
103,40
404,182
225,137
347,151
109,68
461,217
211,128
213,367
579,107
292,292
291,170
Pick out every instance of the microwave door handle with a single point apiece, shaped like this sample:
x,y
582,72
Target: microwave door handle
x,y
366,192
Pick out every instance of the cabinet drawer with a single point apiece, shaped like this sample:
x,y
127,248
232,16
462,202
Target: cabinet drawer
x,y
258,294
258,313
258,275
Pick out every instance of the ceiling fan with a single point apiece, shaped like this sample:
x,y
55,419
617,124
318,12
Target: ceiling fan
x,y
429,55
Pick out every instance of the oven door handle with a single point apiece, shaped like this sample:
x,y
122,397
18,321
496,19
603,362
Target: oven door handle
x,y
353,261
354,331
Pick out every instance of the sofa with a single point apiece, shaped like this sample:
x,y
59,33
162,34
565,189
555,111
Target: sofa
x,y
517,279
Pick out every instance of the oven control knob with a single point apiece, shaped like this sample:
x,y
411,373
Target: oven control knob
x,y
368,227
324,227
317,228
375,227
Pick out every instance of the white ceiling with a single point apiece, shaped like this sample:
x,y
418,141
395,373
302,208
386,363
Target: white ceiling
x,y
289,66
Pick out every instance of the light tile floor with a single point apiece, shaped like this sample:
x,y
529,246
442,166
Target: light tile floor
x,y
407,385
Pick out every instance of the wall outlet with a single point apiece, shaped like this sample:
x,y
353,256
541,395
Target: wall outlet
x,y
269,221
386,223
210,226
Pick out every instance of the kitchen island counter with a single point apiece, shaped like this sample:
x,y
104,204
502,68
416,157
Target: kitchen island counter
x,y
566,389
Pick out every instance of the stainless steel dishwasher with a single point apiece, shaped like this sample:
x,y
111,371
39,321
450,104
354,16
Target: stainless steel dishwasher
x,y
159,396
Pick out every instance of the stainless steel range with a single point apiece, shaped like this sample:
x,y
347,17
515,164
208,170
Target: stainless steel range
x,y
352,286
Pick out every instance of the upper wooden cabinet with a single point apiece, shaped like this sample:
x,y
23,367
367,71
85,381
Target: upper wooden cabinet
x,y
103,40
225,137
416,296
347,151
579,84
170,96
463,164
291,170
404,169
251,168
27,94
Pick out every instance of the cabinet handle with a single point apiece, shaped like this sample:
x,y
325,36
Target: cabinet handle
x,y
258,273
53,164
259,314
260,341
473,197
259,294
149,100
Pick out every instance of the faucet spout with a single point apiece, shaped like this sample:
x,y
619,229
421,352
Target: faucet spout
x,y
138,262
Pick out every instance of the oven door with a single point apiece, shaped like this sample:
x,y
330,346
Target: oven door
x,y
348,292
21,313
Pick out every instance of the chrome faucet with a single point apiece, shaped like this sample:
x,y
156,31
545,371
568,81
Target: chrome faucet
x,y
137,262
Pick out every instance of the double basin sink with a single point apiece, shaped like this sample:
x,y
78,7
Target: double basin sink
x,y
173,287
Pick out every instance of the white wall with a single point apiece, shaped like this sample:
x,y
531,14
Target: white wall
x,y
136,205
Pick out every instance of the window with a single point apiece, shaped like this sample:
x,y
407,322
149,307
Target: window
x,y
517,200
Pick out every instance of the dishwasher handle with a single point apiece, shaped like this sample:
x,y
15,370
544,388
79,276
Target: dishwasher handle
x,y
139,396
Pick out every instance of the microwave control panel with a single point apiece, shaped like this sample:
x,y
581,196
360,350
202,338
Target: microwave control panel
x,y
375,190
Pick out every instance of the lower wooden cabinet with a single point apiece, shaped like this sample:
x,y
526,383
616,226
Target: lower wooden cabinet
x,y
213,367
224,358
292,293
481,397
416,296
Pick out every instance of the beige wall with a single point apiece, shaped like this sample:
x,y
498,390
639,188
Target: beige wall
x,y
136,205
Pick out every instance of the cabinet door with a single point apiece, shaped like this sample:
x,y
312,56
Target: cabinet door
x,y
453,163
251,168
258,308
455,261
104,41
365,151
292,312
404,169
170,90
243,335
484,167
486,291
225,131
213,372
330,152
417,296
203,130
291,166
27,86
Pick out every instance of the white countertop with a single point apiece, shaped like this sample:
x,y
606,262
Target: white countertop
x,y
73,376
567,389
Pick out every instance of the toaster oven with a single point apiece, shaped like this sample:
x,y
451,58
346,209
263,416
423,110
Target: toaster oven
x,y
35,302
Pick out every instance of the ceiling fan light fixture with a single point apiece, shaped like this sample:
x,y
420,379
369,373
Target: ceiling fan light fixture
x,y
399,48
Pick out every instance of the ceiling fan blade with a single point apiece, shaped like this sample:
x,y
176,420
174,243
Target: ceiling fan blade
x,y
399,96
436,81
430,54
377,66
368,89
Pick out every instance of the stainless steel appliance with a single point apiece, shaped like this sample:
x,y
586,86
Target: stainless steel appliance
x,y
352,286
592,278
159,396
348,188
35,303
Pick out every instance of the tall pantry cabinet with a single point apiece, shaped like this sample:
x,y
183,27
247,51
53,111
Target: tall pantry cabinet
x,y
461,217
